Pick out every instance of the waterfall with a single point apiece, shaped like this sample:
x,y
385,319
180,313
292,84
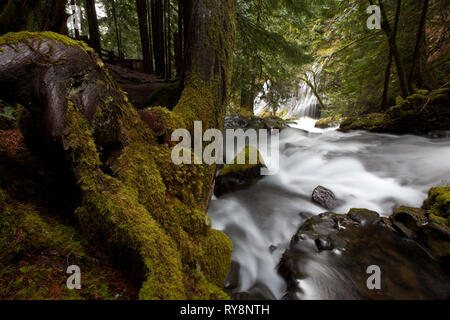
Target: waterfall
x,y
301,103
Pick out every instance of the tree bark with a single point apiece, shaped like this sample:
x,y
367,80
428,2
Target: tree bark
x,y
418,47
76,30
158,37
178,41
141,6
315,92
34,15
94,33
393,46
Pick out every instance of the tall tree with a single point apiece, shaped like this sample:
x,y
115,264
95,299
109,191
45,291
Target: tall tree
x,y
94,33
33,15
391,35
158,37
387,76
141,6
420,52
178,41
75,26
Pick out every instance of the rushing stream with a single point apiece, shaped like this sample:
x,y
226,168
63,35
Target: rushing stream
x,y
364,170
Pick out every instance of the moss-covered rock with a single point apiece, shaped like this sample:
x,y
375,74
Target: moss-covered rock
x,y
329,122
438,203
420,113
244,171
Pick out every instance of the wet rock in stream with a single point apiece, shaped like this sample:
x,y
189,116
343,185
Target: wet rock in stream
x,y
329,255
325,197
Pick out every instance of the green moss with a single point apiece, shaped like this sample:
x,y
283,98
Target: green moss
x,y
245,155
146,206
216,260
166,96
197,103
35,252
136,200
328,122
438,203
14,38
420,113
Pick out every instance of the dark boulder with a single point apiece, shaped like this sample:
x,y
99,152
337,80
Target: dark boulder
x,y
329,256
234,177
364,216
325,197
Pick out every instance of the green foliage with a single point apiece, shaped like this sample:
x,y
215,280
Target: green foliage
x,y
268,49
355,58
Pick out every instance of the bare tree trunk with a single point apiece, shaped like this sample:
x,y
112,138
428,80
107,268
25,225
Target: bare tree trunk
x,y
393,45
169,43
387,79
315,92
118,32
149,21
94,33
417,50
158,37
178,41
141,6
32,15
76,30
387,76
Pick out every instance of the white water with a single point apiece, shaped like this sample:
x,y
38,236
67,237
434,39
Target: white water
x,y
303,105
365,170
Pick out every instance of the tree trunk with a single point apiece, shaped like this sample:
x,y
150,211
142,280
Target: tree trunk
x,y
134,199
158,37
393,46
149,21
169,42
418,49
94,34
315,92
76,30
34,15
387,75
141,6
387,79
178,41
118,33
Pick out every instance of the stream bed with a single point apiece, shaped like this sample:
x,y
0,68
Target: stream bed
x,y
364,170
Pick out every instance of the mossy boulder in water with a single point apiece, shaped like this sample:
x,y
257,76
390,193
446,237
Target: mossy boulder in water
x,y
329,122
246,121
438,204
241,173
421,113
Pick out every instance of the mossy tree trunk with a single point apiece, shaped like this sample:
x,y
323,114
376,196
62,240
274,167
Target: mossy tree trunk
x,y
134,199
33,15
